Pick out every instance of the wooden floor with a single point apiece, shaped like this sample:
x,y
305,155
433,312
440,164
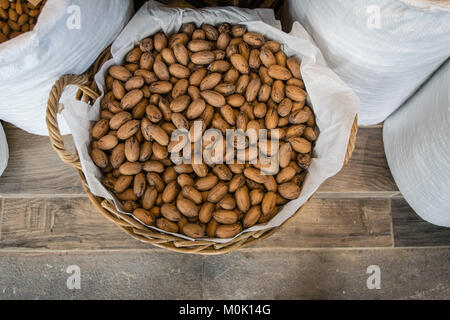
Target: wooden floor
x,y
356,219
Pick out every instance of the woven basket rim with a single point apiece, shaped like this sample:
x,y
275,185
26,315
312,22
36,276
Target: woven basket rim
x,y
88,92
441,5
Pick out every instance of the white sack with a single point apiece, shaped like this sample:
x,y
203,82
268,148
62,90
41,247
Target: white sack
x,y
417,144
384,65
4,153
334,104
31,63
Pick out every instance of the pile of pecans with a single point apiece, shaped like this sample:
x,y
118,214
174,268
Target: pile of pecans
x,y
227,78
17,17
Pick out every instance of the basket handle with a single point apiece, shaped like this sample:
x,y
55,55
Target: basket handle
x,y
53,108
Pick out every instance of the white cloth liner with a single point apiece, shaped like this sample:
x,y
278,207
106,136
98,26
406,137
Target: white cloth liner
x,y
417,144
334,104
4,152
32,62
383,64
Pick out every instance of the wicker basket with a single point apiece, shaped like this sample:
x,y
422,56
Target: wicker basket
x,y
88,93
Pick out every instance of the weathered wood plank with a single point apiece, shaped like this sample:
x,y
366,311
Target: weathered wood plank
x,y
214,3
35,169
411,230
367,170
337,223
1,216
170,3
264,274
323,274
73,223
60,224
119,275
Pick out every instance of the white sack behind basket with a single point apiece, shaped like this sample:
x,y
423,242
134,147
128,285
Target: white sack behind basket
x,y
334,104
417,144
383,63
4,153
31,63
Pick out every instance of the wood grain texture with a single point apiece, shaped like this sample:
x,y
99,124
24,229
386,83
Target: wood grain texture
x,y
35,169
59,224
411,230
367,170
73,223
275,4
120,275
269,274
176,3
323,274
337,223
